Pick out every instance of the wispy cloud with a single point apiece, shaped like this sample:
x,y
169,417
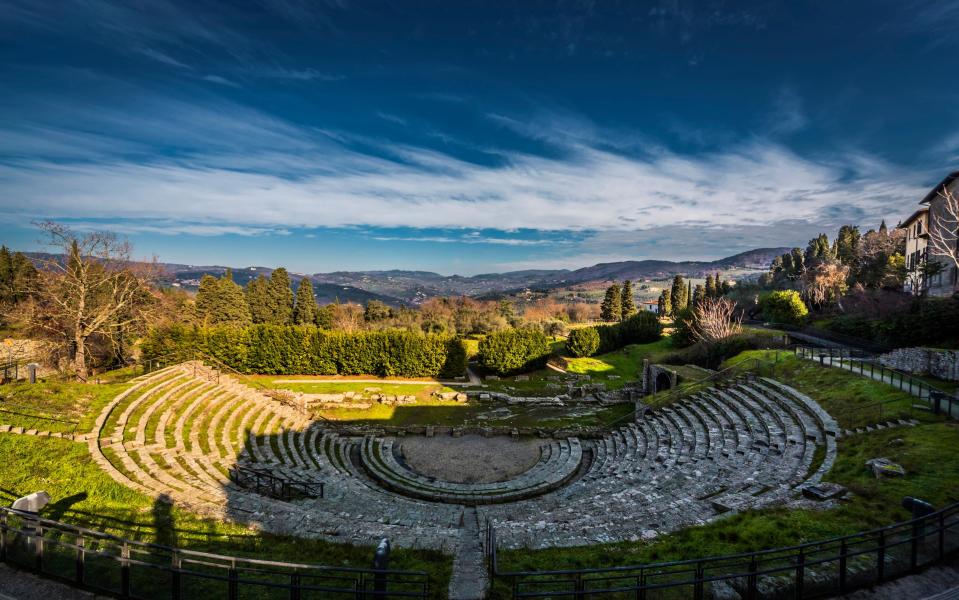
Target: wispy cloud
x,y
219,80
788,115
472,239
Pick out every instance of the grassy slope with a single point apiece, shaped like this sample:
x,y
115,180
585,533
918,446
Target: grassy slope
x,y
850,398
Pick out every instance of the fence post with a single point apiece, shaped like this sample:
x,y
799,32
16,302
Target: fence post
x,y
751,580
294,586
38,548
800,572
79,560
942,535
381,562
3,537
698,586
642,585
580,590
175,575
881,558
125,570
233,584
842,566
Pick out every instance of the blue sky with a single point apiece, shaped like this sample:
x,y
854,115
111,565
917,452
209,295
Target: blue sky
x,y
468,137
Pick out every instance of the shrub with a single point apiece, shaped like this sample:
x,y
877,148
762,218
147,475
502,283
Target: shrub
x,y
583,342
784,307
292,350
924,321
682,335
514,350
641,328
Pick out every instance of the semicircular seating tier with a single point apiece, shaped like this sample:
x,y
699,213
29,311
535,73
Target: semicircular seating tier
x,y
178,434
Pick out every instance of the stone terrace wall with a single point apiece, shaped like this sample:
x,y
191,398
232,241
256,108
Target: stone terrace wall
x,y
943,364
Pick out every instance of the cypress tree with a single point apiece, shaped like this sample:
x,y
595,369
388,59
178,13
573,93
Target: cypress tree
x,y
222,301
280,296
304,313
699,294
258,298
665,303
711,286
678,294
612,306
689,293
627,302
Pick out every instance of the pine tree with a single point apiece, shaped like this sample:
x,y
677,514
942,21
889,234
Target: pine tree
x,y
280,296
304,312
258,298
665,303
727,287
883,230
847,245
689,294
206,298
612,307
627,302
678,294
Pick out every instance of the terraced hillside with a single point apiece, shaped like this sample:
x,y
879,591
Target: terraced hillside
x,y
181,431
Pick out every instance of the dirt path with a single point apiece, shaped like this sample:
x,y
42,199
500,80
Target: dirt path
x,y
470,458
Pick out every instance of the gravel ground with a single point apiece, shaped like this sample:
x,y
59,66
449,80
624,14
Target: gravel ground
x,y
471,458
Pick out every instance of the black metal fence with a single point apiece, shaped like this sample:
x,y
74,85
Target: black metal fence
x,y
812,570
939,401
268,483
127,569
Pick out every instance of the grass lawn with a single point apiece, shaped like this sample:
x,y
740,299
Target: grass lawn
x,y
850,398
82,494
33,406
928,452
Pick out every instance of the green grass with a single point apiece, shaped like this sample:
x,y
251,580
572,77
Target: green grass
x,y
928,453
82,494
33,405
850,398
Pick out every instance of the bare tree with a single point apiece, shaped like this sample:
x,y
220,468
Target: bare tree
x,y
714,320
944,228
88,291
826,283
348,317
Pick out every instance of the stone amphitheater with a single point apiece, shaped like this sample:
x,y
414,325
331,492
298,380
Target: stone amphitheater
x,y
180,431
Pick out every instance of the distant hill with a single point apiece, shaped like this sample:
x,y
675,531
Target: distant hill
x,y
398,287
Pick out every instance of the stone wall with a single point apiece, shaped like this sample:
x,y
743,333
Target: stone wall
x,y
943,364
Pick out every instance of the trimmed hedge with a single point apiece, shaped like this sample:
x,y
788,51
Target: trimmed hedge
x,y
307,350
641,328
583,342
514,351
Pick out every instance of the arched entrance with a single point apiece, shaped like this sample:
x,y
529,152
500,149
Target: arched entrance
x,y
663,381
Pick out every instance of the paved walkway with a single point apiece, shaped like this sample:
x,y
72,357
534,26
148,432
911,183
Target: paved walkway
x,y
20,585
470,578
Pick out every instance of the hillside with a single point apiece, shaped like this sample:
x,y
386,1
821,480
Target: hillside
x,y
399,287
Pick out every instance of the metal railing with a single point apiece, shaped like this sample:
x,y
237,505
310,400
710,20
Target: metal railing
x,y
267,483
811,570
867,365
128,569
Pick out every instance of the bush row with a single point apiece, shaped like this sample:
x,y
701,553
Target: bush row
x,y
514,350
641,328
307,350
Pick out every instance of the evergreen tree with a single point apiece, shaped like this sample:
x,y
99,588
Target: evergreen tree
x,y
699,294
628,304
17,276
689,293
818,249
376,311
678,294
222,301
799,262
258,299
847,245
665,303
324,316
883,230
612,307
711,289
280,296
304,312
727,287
